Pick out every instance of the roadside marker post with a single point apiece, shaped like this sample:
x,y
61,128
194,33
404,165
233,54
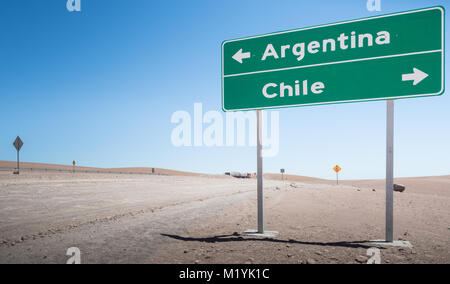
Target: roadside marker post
x,y
337,169
385,57
18,145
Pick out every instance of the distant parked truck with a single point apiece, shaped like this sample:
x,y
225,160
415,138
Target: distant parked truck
x,y
239,175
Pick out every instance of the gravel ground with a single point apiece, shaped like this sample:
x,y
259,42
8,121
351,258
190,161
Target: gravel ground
x,y
199,219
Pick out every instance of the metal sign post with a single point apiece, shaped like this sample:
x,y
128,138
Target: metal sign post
x,y
18,162
260,232
260,173
390,171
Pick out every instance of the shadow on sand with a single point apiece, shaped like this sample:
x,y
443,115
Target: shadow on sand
x,y
238,238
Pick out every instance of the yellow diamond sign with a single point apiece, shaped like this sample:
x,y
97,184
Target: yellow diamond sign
x,y
337,168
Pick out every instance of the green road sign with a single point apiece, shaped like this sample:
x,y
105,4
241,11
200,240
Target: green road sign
x,y
385,57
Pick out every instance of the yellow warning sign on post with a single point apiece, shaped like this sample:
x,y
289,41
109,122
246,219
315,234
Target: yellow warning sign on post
x,y
337,168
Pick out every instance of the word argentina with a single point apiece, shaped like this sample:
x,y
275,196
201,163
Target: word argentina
x,y
343,42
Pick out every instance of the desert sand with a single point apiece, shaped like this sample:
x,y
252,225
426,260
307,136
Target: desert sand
x,y
184,218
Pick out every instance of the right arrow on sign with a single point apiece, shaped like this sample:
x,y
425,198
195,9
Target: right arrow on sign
x,y
417,76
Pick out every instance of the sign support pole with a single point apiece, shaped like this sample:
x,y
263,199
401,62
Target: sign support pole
x,y
390,171
260,232
260,173
18,163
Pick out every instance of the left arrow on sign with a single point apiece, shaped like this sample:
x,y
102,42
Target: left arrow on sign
x,y
241,55
417,76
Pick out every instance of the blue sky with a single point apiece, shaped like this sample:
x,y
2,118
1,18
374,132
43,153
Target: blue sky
x,y
100,87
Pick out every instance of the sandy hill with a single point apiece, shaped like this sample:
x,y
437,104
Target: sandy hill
x,y
295,178
25,165
438,185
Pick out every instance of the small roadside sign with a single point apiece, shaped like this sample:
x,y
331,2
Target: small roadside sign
x,y
337,168
18,145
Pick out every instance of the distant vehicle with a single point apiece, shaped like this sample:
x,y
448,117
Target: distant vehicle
x,y
240,175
